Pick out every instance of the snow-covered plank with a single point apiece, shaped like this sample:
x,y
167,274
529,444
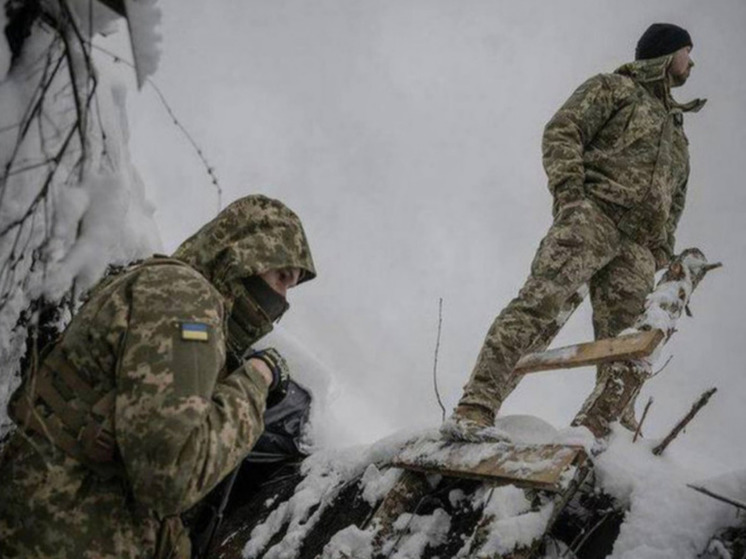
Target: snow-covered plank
x,y
514,521
403,497
631,346
523,465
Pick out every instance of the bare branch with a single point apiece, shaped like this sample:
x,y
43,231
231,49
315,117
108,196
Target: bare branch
x,y
642,419
435,361
698,405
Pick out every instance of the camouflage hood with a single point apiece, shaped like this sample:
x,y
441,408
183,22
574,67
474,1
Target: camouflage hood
x,y
251,236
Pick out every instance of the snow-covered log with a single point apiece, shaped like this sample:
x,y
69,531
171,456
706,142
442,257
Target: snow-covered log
x,y
623,380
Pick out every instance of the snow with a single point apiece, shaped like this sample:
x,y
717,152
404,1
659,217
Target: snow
x,y
377,484
143,16
325,474
91,216
350,542
513,523
731,485
666,519
417,532
456,497
5,54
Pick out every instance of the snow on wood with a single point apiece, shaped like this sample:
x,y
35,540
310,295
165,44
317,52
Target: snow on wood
x,y
631,346
416,532
539,466
325,475
663,308
668,301
511,524
409,489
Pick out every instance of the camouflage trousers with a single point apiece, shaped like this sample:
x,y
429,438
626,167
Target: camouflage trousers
x,y
582,246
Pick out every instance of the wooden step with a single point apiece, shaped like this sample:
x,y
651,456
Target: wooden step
x,y
539,466
621,348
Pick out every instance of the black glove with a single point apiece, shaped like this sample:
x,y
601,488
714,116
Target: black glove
x,y
278,388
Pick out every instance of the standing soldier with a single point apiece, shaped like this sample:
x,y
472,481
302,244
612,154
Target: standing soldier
x,y
132,416
617,161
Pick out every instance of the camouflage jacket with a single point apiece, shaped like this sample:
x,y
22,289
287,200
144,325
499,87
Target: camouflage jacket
x,y
156,335
619,139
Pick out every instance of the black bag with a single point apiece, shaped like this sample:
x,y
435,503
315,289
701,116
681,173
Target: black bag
x,y
279,445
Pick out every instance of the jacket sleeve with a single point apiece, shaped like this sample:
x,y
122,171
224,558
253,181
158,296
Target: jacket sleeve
x,y
179,429
568,133
677,208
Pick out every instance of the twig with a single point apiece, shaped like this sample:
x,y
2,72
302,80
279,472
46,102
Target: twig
x,y
738,504
435,361
642,419
659,371
698,405
589,533
209,168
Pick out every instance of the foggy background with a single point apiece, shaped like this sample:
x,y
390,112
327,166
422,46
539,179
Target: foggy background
x,y
406,135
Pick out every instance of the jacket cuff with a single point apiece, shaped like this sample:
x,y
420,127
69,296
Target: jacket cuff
x,y
255,377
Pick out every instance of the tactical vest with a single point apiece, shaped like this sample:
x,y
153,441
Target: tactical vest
x,y
56,403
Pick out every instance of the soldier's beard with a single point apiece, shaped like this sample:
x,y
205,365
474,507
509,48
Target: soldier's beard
x,y
678,80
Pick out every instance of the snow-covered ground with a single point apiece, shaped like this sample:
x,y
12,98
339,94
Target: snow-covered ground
x,y
666,519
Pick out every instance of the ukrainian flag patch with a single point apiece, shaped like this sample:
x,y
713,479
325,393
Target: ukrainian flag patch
x,y
194,331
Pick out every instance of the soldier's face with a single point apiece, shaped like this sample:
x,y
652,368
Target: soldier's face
x,y
282,279
681,66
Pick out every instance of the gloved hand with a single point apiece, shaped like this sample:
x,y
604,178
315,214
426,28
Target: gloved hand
x,y
278,388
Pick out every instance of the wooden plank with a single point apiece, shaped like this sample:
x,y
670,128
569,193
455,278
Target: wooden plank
x,y
621,348
537,466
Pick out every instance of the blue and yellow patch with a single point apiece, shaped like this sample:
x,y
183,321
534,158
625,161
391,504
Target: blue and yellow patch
x,y
194,331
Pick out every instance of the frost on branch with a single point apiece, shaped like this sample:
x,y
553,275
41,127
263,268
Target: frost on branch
x,y
71,202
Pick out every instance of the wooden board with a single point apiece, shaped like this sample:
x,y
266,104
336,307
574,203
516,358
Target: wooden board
x,y
621,348
538,466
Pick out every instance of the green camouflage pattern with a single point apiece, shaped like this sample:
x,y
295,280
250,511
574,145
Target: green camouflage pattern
x,y
617,161
181,421
619,140
580,242
254,235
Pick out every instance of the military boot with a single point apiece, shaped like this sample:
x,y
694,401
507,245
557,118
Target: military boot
x,y
612,399
472,423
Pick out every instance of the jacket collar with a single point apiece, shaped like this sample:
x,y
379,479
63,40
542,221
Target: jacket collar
x,y
652,75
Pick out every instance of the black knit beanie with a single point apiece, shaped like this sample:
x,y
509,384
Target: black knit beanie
x,y
661,39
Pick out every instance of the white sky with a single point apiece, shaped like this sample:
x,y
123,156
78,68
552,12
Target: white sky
x,y
406,134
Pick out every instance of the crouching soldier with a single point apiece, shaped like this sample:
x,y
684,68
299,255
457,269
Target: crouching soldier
x,y
133,415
